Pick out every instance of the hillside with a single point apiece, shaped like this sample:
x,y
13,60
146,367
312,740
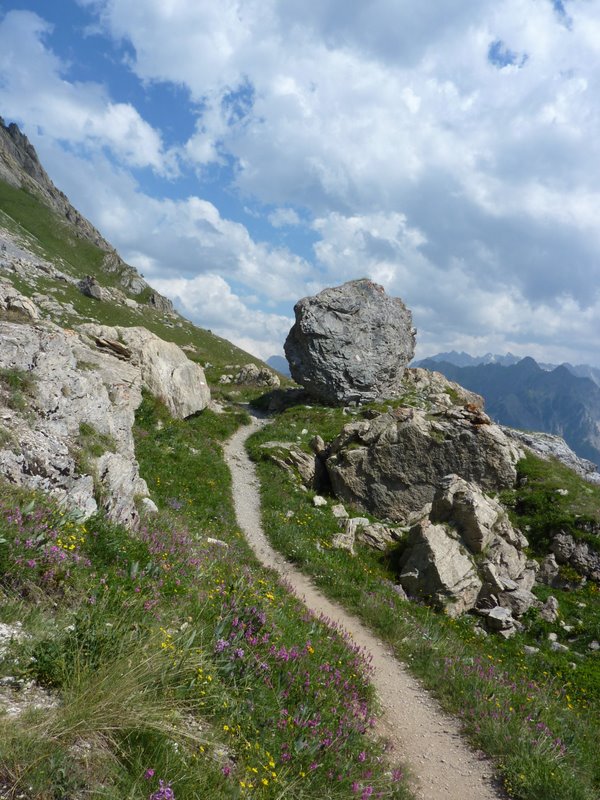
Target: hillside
x,y
148,652
523,395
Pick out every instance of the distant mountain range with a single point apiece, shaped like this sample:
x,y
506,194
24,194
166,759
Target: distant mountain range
x,y
523,394
463,359
280,364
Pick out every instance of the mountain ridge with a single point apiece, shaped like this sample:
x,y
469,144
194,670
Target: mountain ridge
x,y
523,395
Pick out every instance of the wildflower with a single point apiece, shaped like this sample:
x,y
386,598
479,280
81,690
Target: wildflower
x,y
164,792
149,774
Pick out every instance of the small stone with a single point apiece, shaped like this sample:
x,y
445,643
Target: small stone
x,y
339,512
557,647
149,506
552,637
594,646
549,611
529,650
217,542
318,501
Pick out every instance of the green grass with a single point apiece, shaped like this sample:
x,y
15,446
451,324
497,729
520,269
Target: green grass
x,y
514,707
49,236
54,235
175,658
549,498
17,387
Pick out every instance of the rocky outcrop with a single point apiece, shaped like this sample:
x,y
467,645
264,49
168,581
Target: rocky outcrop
x,y
165,370
90,287
438,568
350,343
12,302
393,464
253,375
577,554
548,446
71,389
466,555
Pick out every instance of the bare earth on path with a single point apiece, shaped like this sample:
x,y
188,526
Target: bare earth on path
x,y
443,766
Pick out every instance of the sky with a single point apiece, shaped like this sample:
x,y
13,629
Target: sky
x,y
243,154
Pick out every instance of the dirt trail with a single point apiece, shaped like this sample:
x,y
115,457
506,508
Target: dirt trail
x,y
424,737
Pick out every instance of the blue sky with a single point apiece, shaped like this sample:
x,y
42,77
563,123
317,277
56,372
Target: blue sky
x,y
246,153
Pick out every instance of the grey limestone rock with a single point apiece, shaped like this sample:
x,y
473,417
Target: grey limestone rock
x,y
437,566
578,554
90,287
350,343
393,464
62,398
254,375
548,446
165,369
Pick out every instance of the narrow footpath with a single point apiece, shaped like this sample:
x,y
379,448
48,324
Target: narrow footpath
x,y
442,764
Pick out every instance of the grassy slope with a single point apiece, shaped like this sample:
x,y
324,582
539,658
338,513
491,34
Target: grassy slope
x,y
47,235
537,716
174,658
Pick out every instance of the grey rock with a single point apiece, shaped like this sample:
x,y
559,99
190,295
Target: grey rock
x,y
478,518
548,570
13,301
102,396
339,512
436,566
253,375
549,611
347,538
165,369
578,554
594,646
90,287
518,601
318,501
499,618
295,461
161,303
393,464
552,637
557,647
149,506
529,650
379,536
317,445
350,343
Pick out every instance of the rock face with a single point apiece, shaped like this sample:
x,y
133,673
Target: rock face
x,y
67,406
547,445
350,343
165,369
393,464
40,435
439,568
466,555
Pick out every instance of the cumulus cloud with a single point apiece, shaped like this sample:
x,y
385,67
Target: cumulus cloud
x,y
443,149
33,88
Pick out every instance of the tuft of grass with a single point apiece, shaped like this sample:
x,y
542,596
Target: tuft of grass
x,y
17,386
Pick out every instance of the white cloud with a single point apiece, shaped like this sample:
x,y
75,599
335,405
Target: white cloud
x,y
465,186
284,217
33,87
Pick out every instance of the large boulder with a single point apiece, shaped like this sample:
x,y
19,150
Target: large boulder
x,y
468,543
393,464
166,371
253,375
350,343
437,566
